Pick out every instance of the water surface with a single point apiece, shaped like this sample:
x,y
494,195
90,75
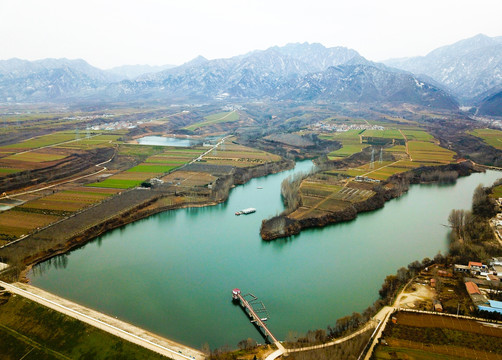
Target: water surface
x,y
173,272
168,141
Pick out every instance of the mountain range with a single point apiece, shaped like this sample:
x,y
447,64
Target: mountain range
x,y
469,70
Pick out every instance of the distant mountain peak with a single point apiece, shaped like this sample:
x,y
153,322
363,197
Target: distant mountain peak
x,y
196,61
468,67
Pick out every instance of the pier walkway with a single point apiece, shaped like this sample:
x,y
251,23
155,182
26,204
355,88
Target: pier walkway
x,y
236,294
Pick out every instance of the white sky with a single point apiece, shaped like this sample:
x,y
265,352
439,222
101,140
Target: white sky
x,y
108,33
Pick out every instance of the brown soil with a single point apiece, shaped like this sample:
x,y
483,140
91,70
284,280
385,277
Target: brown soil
x,y
61,169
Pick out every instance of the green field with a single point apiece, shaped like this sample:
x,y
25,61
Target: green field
x,y
152,168
497,192
350,141
35,157
140,150
157,164
387,134
41,141
9,170
92,142
419,135
424,151
489,136
30,331
215,119
116,183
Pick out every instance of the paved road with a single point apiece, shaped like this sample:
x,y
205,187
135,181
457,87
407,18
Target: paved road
x,y
106,323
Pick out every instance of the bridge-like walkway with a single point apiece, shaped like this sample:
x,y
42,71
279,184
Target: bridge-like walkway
x,y
236,294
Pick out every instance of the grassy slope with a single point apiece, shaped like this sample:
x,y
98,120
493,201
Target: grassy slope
x,y
31,330
214,119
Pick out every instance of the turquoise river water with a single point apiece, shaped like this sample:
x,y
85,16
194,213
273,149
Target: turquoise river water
x,y
173,272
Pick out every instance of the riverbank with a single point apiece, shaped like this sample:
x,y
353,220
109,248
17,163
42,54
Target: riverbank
x,y
186,262
125,208
290,223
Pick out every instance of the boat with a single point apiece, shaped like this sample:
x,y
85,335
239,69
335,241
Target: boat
x,y
245,211
259,187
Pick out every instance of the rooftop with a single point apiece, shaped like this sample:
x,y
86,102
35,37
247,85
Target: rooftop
x,y
472,288
473,263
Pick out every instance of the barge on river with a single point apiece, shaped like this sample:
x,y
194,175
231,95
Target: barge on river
x,y
245,211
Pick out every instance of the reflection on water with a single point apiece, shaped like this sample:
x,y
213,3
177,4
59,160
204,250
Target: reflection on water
x,y
173,272
170,141
57,262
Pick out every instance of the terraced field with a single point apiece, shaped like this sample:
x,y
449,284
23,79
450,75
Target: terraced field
x,y
418,135
386,134
350,140
14,223
429,152
239,156
490,136
215,119
93,142
42,211
41,141
319,198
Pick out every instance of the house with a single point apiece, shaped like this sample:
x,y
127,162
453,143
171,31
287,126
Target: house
x,y
461,268
496,261
476,267
494,279
472,288
497,270
494,306
444,273
437,306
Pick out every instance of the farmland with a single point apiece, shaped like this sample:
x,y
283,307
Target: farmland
x,y
497,192
351,143
334,194
132,165
153,166
41,141
416,153
490,136
45,210
215,119
423,336
239,156
319,197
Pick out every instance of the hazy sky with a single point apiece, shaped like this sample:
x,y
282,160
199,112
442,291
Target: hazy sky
x,y
108,33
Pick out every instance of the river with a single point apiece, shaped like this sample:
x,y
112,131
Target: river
x,y
173,272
